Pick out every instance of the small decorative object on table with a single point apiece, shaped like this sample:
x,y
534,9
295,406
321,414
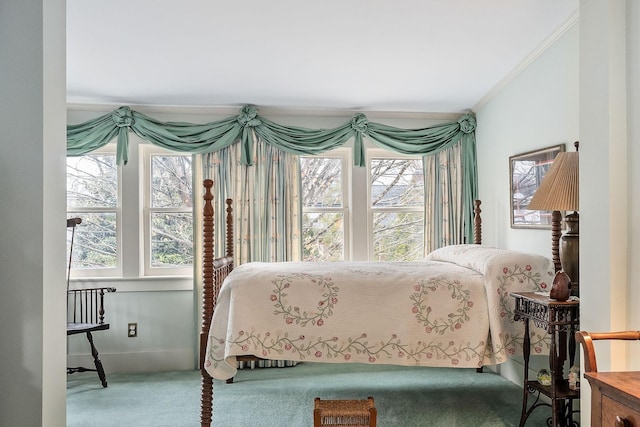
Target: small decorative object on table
x,y
561,289
544,377
574,378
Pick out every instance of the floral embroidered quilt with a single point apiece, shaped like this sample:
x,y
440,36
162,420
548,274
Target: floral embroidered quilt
x,y
452,309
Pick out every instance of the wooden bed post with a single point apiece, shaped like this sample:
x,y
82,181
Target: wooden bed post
x,y
214,272
229,229
477,235
206,395
477,223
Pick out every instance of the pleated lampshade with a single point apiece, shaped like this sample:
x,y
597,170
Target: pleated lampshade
x,y
558,190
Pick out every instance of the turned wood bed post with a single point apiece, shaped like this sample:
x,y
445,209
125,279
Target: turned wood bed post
x,y
477,223
206,395
211,282
229,229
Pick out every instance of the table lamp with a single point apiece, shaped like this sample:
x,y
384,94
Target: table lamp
x,y
557,192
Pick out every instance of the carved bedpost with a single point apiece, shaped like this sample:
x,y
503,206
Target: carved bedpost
x,y
206,395
229,229
477,223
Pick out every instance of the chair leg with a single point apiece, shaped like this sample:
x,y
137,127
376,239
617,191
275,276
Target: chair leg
x,y
97,361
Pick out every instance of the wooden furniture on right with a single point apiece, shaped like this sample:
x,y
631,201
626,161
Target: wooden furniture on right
x,y
615,396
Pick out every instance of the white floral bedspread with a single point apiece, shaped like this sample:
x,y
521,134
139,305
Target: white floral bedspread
x,y
453,309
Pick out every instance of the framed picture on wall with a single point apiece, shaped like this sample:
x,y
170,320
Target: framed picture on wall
x,y
526,171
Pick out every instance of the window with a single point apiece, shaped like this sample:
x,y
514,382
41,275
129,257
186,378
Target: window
x,y
137,220
168,213
397,208
93,195
337,198
324,207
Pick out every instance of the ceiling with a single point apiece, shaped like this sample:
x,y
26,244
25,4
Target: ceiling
x,y
370,55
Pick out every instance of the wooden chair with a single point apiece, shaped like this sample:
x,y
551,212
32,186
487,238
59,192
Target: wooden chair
x,y
586,339
86,313
615,396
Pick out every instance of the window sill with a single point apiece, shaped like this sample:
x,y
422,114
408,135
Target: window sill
x,y
136,284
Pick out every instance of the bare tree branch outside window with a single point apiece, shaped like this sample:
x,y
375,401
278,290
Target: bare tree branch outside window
x,y
397,203
171,211
92,195
397,200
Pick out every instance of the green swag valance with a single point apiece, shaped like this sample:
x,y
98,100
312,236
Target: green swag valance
x,y
249,125
199,138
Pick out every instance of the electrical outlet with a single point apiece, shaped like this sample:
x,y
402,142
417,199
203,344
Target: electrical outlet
x,y
132,330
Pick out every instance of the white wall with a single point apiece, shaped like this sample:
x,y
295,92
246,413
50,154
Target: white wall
x,y
633,159
166,339
32,119
585,87
609,80
538,109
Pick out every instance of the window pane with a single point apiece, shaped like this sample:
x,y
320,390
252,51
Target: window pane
x,y
94,241
171,239
398,236
171,181
92,181
321,181
323,237
397,182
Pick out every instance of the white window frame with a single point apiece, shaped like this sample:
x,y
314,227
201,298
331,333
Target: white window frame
x,y
116,271
147,152
345,156
132,238
356,181
381,154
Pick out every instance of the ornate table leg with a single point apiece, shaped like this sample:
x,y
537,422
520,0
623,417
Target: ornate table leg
x,y
526,352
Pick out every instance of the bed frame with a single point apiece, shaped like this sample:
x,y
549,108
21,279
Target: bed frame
x,y
215,270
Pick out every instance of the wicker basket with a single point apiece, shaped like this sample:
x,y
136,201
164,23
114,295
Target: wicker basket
x,y
344,413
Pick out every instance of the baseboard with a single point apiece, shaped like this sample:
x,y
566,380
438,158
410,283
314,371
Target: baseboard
x,y
513,370
151,361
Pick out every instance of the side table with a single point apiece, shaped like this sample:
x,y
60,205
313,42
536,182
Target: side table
x,y
561,319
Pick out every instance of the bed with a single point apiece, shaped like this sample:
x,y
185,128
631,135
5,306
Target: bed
x,y
452,309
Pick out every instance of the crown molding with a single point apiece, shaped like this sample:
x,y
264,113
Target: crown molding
x,y
524,64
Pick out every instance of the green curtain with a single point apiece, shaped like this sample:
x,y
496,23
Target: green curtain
x,y
248,126
184,137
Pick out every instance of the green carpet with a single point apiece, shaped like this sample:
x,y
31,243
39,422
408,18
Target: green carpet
x,y
283,397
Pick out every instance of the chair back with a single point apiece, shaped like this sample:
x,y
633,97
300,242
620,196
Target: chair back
x,y
87,305
71,223
84,306
586,339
